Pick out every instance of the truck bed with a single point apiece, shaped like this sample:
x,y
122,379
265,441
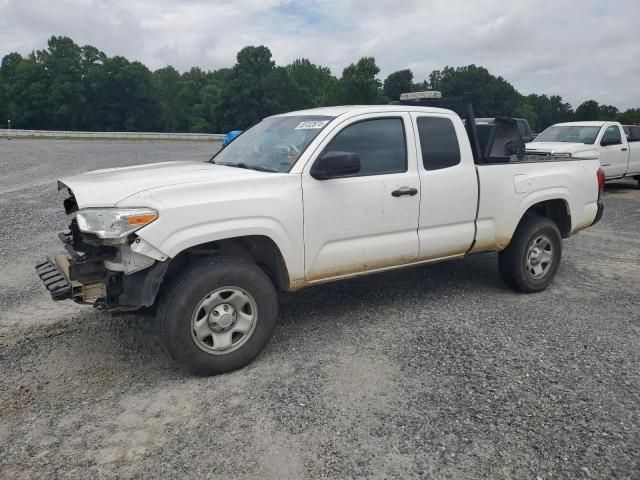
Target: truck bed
x,y
502,203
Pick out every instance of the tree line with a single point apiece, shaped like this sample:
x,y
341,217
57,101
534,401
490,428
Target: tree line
x,y
72,87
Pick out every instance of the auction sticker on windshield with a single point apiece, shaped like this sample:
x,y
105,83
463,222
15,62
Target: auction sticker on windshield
x,y
312,125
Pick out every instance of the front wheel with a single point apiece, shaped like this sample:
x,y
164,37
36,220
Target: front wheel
x,y
217,316
532,258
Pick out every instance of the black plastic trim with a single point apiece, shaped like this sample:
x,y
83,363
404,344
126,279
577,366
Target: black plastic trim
x,y
600,212
54,280
134,291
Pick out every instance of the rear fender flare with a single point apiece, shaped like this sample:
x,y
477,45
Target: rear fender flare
x,y
535,198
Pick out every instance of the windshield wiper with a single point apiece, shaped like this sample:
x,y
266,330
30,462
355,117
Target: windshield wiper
x,y
244,165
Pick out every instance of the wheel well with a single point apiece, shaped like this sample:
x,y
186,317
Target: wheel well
x,y
555,210
257,249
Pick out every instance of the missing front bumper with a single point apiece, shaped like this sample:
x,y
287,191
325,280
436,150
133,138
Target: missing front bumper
x,y
66,279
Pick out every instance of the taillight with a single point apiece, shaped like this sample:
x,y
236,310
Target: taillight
x,y
600,181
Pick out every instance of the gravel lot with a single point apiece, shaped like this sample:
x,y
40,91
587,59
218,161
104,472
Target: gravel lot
x,y
434,372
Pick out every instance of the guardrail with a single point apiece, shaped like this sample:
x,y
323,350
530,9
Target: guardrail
x,y
18,133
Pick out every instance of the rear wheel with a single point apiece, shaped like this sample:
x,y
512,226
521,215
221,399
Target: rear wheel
x,y
218,316
532,258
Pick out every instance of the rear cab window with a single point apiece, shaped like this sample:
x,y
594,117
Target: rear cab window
x,y
633,133
522,128
438,142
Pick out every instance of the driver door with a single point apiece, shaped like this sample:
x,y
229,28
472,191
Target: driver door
x,y
367,221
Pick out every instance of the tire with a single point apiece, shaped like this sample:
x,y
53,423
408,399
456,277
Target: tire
x,y
198,329
531,260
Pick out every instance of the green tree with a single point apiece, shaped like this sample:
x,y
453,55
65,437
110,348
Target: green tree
x,y
608,112
317,80
167,84
209,104
257,88
242,95
359,84
397,83
4,104
63,62
282,93
8,68
254,61
549,110
492,96
91,57
589,110
122,96
195,84
28,93
630,116
560,111
66,86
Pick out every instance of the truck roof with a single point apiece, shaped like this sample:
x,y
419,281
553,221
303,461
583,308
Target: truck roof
x,y
340,110
598,123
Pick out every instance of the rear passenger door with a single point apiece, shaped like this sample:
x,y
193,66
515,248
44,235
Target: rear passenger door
x,y
449,186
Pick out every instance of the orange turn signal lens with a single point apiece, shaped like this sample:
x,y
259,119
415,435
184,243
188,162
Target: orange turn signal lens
x,y
142,219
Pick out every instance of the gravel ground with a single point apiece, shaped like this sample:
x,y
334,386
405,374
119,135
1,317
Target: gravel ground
x,y
434,372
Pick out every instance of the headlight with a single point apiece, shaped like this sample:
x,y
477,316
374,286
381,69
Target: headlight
x,y
114,222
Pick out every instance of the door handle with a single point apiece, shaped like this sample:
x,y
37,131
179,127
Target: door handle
x,y
624,149
405,191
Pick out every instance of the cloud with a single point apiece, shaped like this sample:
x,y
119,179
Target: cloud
x,y
579,49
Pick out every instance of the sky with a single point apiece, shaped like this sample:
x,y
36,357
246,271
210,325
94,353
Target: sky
x,y
578,49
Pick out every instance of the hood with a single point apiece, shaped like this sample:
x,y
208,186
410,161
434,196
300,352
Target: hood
x,y
105,188
577,150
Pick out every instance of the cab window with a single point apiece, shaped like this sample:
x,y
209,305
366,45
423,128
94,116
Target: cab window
x,y
438,142
380,143
522,129
612,136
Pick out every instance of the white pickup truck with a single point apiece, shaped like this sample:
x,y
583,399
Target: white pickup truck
x,y
619,157
309,197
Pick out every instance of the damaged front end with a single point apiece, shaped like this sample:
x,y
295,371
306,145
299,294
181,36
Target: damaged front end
x,y
103,265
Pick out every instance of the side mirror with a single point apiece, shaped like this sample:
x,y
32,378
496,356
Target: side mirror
x,y
335,165
609,141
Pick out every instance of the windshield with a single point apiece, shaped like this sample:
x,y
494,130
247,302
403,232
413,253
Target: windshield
x,y
274,144
569,134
